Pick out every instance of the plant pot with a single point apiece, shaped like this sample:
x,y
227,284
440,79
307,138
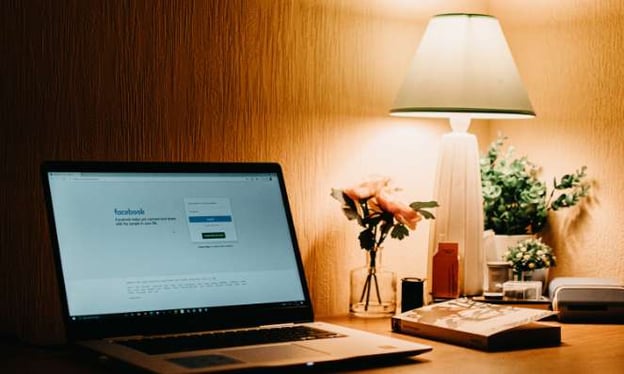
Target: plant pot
x,y
537,275
496,245
373,288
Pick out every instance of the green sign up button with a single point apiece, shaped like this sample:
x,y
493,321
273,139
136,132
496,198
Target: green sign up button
x,y
213,235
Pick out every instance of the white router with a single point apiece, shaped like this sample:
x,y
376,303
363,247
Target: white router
x,y
587,299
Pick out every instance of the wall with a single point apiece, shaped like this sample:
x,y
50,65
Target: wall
x,y
569,54
305,83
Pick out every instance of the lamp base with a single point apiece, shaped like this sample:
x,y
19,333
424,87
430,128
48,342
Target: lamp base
x,y
459,218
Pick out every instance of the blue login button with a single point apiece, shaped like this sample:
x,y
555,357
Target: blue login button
x,y
204,219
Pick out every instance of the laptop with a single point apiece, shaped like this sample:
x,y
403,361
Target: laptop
x,y
189,267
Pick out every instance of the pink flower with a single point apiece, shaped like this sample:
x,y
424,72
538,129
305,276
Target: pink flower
x,y
402,213
366,189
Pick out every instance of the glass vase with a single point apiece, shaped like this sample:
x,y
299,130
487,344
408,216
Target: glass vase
x,y
373,288
540,275
524,276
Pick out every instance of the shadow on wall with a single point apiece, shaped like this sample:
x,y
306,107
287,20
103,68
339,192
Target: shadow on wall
x,y
565,234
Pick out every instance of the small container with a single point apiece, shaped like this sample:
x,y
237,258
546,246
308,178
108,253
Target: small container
x,y
412,293
522,290
499,272
445,271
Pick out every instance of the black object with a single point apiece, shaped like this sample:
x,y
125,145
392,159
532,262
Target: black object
x,y
412,293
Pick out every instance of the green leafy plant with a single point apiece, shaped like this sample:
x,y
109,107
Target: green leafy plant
x,y
515,201
530,254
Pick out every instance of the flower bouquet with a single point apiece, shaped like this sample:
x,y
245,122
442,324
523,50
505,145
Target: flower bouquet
x,y
529,255
374,206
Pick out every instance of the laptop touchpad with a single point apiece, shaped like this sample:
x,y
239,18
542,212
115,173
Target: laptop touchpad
x,y
196,362
274,353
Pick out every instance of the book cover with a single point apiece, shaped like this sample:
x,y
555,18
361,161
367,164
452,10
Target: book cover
x,y
484,326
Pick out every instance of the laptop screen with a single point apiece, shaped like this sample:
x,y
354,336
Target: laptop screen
x,y
173,241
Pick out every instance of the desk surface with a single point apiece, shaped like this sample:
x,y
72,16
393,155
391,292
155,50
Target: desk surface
x,y
584,349
592,348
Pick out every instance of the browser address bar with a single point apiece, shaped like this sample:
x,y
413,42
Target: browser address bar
x,y
172,179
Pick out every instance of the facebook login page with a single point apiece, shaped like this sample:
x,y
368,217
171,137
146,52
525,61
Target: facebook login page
x,y
149,242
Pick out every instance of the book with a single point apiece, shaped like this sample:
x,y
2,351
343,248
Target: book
x,y
483,326
541,303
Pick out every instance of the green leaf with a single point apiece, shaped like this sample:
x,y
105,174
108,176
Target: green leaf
x,y
338,195
426,214
399,231
417,205
349,212
420,206
367,239
348,205
372,220
567,181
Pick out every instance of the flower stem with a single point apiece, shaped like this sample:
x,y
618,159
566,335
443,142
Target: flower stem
x,y
366,287
368,282
371,278
377,288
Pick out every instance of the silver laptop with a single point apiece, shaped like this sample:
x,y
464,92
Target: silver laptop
x,y
189,267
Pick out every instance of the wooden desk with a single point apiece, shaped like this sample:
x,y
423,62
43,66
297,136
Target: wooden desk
x,y
594,349
584,349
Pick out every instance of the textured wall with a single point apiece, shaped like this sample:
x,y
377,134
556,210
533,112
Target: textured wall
x,y
305,83
570,55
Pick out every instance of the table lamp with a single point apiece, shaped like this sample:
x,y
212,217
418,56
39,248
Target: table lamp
x,y
463,69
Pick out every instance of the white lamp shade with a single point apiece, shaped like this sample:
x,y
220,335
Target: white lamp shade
x,y
463,65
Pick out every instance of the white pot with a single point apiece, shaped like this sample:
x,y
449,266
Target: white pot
x,y
540,275
495,246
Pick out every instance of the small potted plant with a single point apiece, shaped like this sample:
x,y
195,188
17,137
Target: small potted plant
x,y
515,200
527,256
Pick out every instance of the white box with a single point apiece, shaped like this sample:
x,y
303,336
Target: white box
x,y
522,290
587,299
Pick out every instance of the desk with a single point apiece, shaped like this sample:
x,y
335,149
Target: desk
x,y
595,349
584,349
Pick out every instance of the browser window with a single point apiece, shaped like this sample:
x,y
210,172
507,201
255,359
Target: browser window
x,y
194,230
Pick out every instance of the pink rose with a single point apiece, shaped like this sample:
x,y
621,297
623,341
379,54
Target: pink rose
x,y
366,189
401,212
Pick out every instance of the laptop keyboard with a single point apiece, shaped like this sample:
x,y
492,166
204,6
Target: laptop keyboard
x,y
224,339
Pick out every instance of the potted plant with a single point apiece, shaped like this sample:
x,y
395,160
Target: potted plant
x,y
530,260
516,202
529,255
